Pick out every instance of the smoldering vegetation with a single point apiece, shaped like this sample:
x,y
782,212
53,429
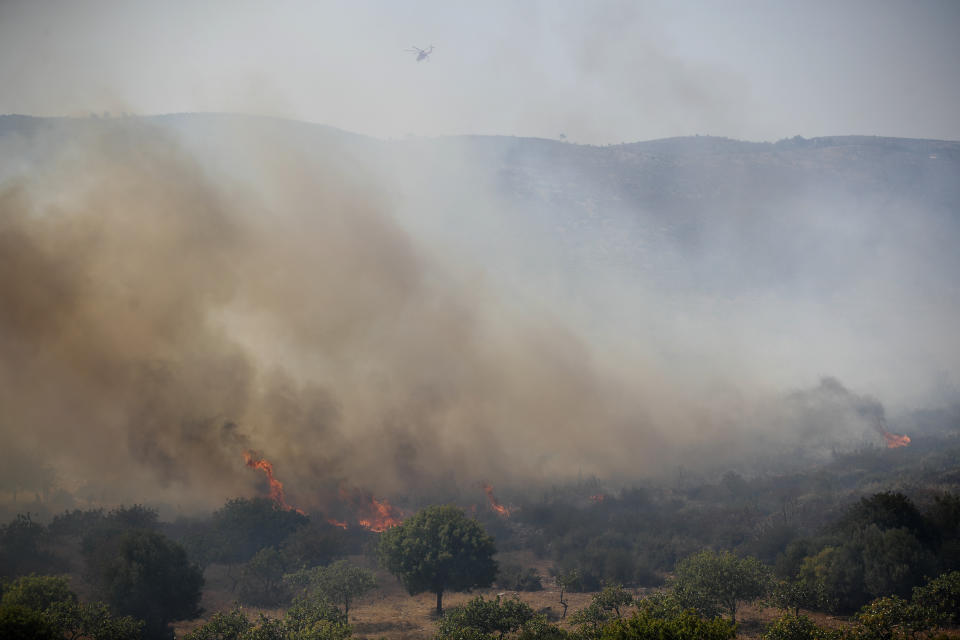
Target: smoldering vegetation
x,y
410,318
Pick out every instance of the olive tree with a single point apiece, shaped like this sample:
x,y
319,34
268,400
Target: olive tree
x,y
339,583
485,619
148,576
439,549
50,599
718,582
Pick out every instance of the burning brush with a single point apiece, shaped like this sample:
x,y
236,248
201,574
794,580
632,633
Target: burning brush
x,y
253,461
370,513
494,503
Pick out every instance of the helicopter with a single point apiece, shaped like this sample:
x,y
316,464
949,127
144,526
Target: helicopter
x,y
422,54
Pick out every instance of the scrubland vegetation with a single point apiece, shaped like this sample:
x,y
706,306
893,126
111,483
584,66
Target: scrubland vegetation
x,y
866,545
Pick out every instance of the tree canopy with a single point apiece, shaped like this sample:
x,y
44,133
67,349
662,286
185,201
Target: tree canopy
x,y
714,582
38,607
481,619
439,549
242,527
339,583
149,577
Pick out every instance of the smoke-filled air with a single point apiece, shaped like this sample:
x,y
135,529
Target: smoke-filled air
x,y
366,315
354,261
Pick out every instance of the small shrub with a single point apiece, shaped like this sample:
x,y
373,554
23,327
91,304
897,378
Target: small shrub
x,y
792,627
515,578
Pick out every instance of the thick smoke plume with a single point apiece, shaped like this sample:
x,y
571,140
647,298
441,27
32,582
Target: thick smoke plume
x,y
162,313
158,321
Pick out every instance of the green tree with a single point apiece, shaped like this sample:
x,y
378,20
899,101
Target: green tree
x,y
242,527
314,620
482,618
148,576
566,581
316,544
133,517
791,595
713,582
261,580
894,561
513,577
22,549
687,625
75,523
836,574
944,518
439,549
888,618
613,599
22,623
939,599
37,592
605,606
794,627
540,629
305,620
887,510
77,620
231,625
339,583
662,604
51,598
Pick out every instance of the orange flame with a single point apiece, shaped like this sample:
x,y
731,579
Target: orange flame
x,y
276,487
382,516
337,523
599,497
894,440
372,514
494,503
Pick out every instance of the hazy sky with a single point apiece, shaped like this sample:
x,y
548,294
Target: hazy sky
x,y
598,71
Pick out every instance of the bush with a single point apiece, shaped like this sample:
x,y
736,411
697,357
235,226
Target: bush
x,y
718,582
482,618
683,626
513,577
148,576
261,580
940,599
339,583
315,544
93,621
303,621
836,574
76,522
793,627
243,527
21,548
37,592
22,623
50,598
232,625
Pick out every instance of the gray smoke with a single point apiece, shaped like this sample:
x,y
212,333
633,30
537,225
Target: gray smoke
x,y
175,293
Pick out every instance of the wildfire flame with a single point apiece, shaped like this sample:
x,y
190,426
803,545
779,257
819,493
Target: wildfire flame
x,y
372,514
494,503
599,497
276,487
383,516
894,440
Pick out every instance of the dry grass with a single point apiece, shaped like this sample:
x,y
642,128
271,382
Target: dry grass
x,y
391,613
